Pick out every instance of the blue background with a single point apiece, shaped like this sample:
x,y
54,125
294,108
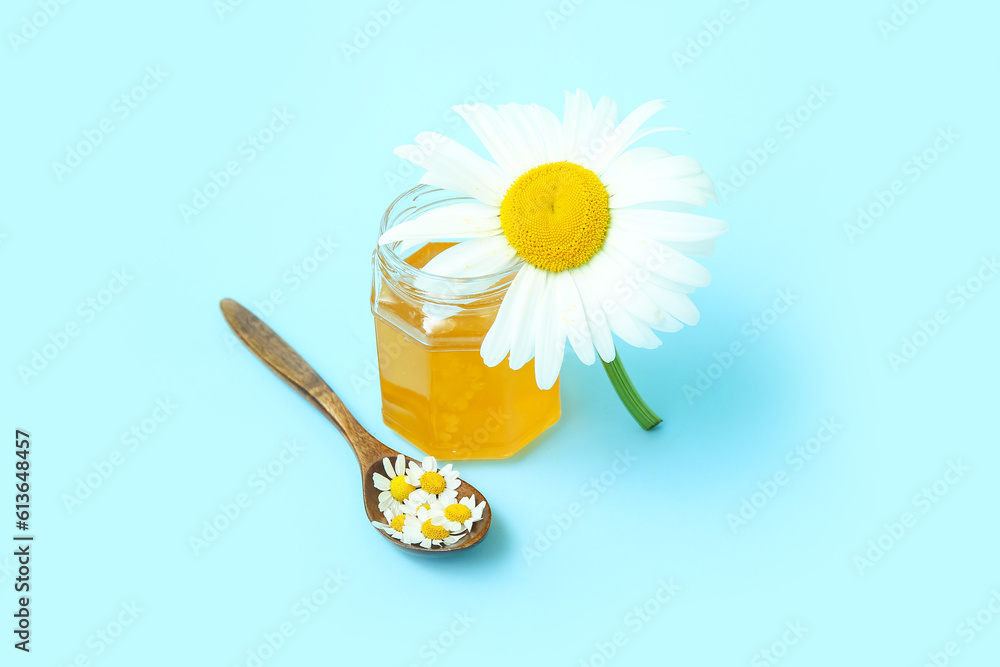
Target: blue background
x,y
327,176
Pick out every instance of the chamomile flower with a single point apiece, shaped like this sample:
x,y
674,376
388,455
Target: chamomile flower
x,y
599,233
420,498
419,529
442,483
394,488
458,517
393,525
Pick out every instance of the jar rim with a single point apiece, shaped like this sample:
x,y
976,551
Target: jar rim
x,y
409,205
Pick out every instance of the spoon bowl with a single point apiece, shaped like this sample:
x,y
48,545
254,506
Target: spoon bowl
x,y
293,369
465,489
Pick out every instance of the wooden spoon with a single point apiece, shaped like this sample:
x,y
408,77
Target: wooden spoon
x,y
293,369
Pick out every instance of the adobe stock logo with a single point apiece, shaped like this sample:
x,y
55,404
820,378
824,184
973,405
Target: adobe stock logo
x,y
30,25
121,108
303,611
753,329
968,630
87,310
561,13
562,522
224,7
363,35
959,297
636,619
913,169
231,510
924,500
787,127
133,438
713,29
249,150
779,649
900,16
796,459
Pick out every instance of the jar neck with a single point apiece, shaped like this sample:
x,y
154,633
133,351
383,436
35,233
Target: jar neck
x,y
416,285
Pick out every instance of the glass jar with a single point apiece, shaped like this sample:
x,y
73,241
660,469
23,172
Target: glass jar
x,y
436,391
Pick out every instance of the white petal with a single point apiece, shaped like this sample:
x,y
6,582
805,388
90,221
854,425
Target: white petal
x,y
574,318
454,167
627,133
632,296
388,468
636,156
643,164
552,133
658,258
636,179
429,464
550,337
400,465
591,139
678,305
695,248
498,340
644,191
381,483
667,226
498,138
576,116
637,272
522,336
466,220
624,133
621,323
530,142
476,257
597,319
604,117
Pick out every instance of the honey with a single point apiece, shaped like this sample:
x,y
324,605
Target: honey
x,y
436,391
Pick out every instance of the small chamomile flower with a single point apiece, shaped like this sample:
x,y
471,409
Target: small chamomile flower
x,y
420,498
442,482
393,526
419,529
458,517
394,488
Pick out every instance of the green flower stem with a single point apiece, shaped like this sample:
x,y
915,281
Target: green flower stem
x,y
628,394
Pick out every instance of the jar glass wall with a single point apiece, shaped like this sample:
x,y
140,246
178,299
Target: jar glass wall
x,y
436,391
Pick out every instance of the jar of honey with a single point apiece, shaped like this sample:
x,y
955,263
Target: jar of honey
x,y
436,391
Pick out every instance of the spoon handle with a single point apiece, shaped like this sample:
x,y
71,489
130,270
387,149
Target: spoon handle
x,y
293,369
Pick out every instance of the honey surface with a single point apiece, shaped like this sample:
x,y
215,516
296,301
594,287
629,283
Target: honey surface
x,y
448,402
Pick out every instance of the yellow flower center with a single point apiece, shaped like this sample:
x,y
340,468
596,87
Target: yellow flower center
x,y
556,215
457,512
399,489
434,532
433,482
397,522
